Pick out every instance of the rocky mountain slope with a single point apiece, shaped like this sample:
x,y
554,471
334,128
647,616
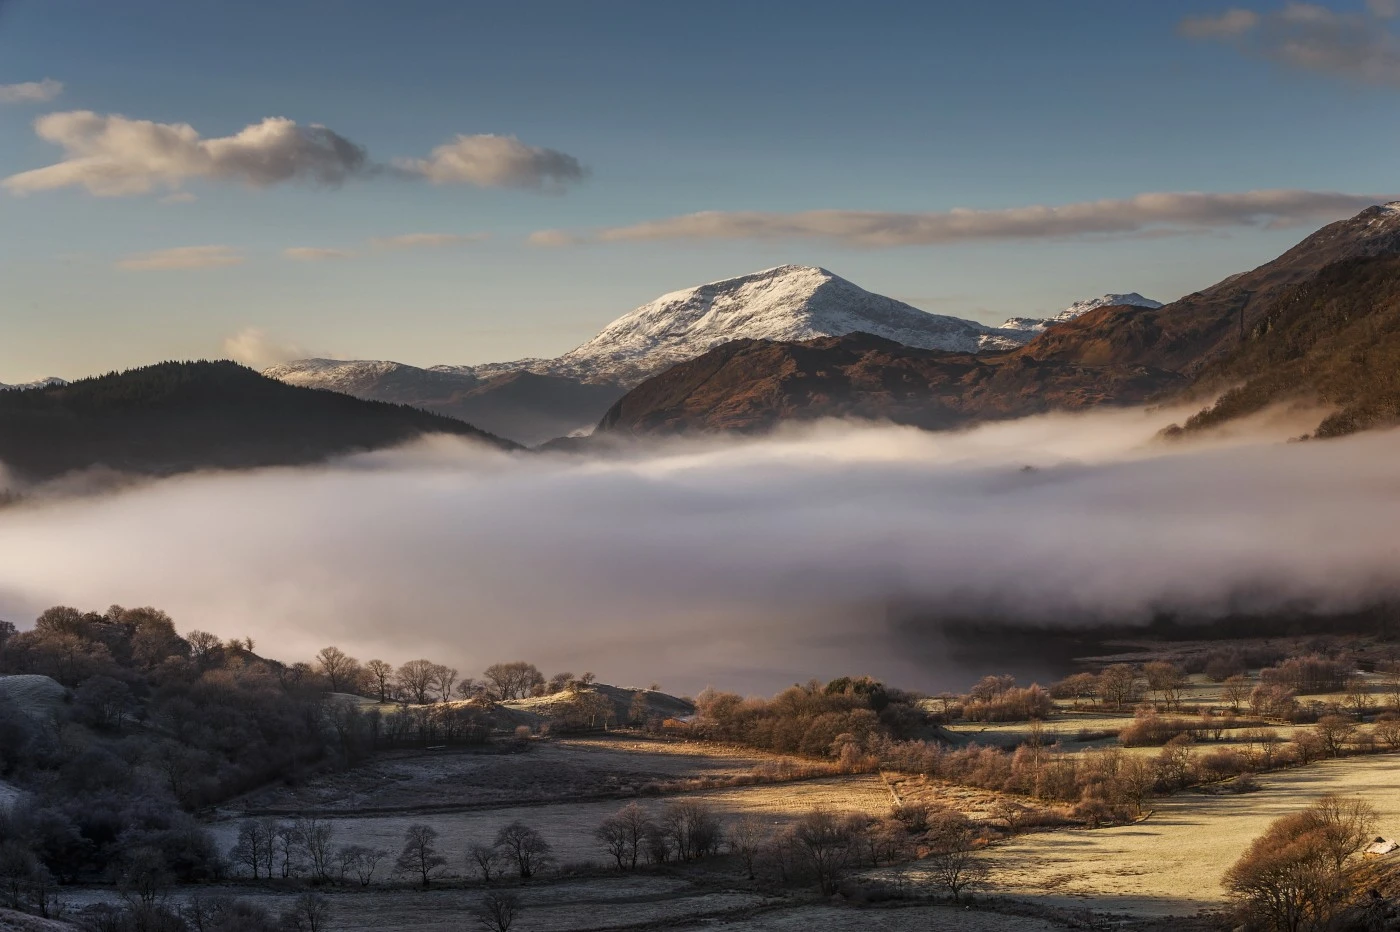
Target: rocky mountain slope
x,y
751,385
1316,322
175,417
1079,309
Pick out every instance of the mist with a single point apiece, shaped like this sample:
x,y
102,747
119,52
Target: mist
x,y
746,563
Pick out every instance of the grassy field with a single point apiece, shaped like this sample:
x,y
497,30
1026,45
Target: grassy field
x,y
568,826
1171,864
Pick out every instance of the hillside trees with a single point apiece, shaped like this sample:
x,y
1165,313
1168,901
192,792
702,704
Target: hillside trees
x,y
514,680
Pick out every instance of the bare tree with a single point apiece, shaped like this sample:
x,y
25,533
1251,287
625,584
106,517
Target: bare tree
x,y
1166,678
359,861
288,841
310,912
823,842
954,863
419,855
526,847
316,836
1387,730
514,680
1118,685
746,839
486,859
381,674
498,911
1335,731
202,647
623,835
340,668
416,678
1235,690
443,678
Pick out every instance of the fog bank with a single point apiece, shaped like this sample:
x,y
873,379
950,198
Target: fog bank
x,y
750,563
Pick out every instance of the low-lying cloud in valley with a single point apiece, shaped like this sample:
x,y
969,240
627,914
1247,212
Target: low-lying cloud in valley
x,y
744,562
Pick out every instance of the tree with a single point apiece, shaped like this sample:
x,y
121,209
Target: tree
x,y
954,863
526,847
638,710
623,835
498,911
341,670
443,678
1167,679
416,678
253,849
823,842
1334,731
310,912
381,675
1357,696
486,859
514,680
1118,685
360,861
1235,690
288,841
747,838
419,855
316,836
693,828
1387,730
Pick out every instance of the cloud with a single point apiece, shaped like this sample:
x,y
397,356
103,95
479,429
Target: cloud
x,y
112,156
182,257
553,238
315,253
490,161
426,240
254,347
748,562
1359,47
30,92
1146,213
1228,24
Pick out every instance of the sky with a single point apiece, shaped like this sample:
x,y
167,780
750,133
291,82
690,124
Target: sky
x,y
437,182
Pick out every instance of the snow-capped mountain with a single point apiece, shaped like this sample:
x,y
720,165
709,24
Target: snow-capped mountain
x,y
787,303
41,383
1032,325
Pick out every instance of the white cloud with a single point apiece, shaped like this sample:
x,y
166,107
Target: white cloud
x,y
1359,47
490,161
553,238
315,253
425,240
1144,214
30,92
111,155
254,347
1234,22
182,257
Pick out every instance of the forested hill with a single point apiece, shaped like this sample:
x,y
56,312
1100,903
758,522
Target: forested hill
x,y
179,416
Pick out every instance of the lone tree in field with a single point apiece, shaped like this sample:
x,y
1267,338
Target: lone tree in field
x,y
1335,731
498,911
514,680
419,855
525,846
954,863
825,844
1293,878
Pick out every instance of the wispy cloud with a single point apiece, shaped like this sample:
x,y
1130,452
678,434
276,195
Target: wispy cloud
x,y
30,92
315,253
1360,47
182,257
490,161
425,240
1152,214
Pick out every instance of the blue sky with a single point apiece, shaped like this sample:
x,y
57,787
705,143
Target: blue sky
x,y
771,109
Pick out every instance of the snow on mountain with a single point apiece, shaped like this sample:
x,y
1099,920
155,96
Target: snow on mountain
x,y
41,383
358,377
1032,325
786,303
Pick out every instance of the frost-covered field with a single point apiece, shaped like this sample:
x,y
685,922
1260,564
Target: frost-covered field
x,y
1171,864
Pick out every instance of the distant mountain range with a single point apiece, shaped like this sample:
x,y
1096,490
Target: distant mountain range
x,y
24,386
175,417
533,400
1321,323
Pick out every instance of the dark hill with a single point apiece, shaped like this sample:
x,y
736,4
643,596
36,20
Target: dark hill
x,y
178,416
751,385
1334,340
